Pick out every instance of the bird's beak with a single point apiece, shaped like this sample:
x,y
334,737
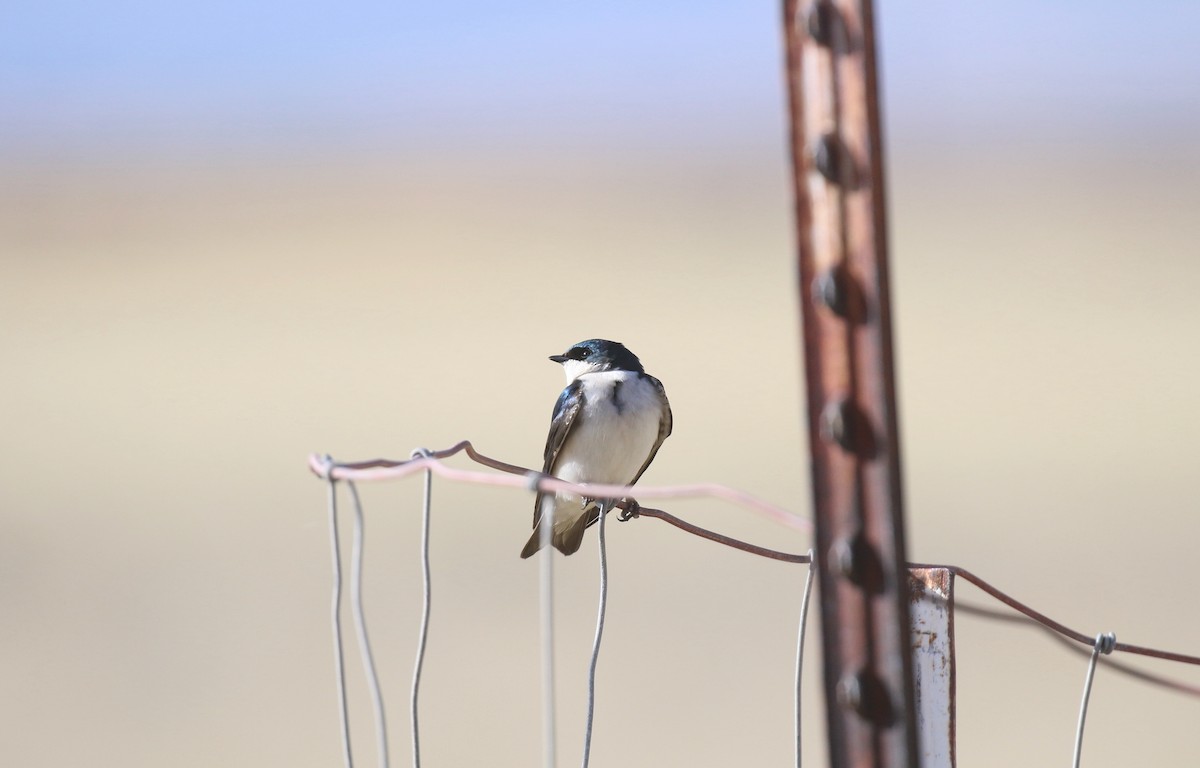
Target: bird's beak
x,y
559,358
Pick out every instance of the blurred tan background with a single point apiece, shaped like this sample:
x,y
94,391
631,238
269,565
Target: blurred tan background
x,y
233,236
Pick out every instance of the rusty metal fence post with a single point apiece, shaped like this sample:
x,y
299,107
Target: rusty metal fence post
x,y
853,436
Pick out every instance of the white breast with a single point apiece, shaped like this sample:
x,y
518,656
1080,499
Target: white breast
x,y
611,437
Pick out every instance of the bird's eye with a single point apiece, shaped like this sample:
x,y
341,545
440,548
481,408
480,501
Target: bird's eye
x,y
579,353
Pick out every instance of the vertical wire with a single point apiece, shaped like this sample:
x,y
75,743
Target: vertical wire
x,y
425,608
603,604
338,654
1104,644
360,625
808,582
549,743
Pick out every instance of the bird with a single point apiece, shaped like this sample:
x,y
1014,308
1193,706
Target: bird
x,y
608,425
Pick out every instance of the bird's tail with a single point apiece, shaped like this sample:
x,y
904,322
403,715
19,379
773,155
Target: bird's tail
x,y
568,528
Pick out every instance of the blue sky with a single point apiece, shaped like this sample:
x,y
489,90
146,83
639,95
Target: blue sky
x,y
223,72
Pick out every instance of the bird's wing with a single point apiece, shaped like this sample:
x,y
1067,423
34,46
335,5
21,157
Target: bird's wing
x,y
570,402
664,425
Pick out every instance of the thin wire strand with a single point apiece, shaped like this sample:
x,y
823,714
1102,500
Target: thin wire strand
x,y
387,469
704,533
600,611
339,658
1115,665
426,508
379,469
1049,623
808,582
360,626
1104,644
383,468
549,741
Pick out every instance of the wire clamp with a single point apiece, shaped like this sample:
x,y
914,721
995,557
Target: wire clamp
x,y
533,481
327,467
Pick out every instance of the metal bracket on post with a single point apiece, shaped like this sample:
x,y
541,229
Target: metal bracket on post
x,y
853,437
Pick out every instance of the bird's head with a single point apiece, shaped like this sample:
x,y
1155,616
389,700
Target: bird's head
x,y
596,355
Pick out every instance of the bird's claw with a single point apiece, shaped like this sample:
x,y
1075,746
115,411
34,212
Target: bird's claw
x,y
630,511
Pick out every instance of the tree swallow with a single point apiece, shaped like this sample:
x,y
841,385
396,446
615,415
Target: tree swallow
x,y
607,426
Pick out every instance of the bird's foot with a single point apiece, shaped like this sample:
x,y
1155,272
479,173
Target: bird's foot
x,y
630,511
